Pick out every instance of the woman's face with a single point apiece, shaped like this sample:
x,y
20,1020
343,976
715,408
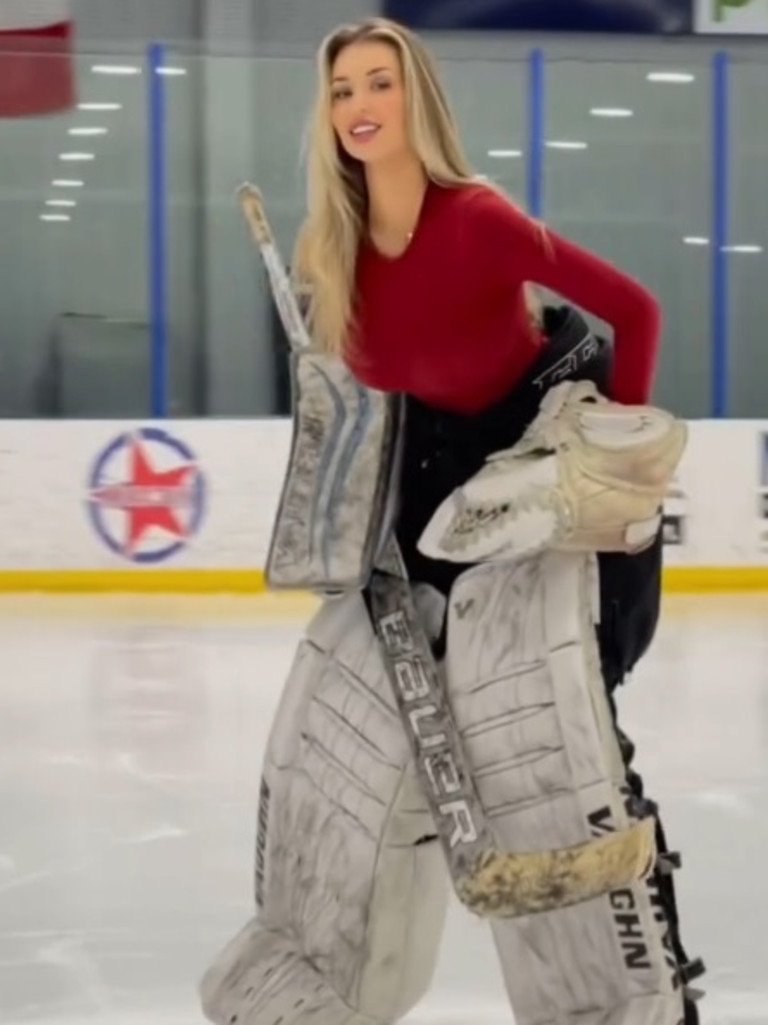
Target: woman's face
x,y
368,102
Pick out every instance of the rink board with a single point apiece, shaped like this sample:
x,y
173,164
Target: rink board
x,y
186,506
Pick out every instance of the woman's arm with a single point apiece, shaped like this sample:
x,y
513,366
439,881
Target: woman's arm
x,y
528,252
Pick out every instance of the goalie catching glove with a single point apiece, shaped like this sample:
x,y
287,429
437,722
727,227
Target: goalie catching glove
x,y
588,475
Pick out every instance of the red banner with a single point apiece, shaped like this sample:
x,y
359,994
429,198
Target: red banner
x,y
37,71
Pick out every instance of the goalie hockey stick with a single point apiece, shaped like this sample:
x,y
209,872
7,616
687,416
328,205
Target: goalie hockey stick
x,y
489,882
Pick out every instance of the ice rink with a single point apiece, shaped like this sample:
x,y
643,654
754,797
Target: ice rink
x,y
131,733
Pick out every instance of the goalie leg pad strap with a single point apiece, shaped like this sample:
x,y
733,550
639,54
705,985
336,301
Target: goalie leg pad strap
x,y
350,880
524,678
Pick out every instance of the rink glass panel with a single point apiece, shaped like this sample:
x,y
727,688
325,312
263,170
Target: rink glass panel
x,y
75,296
749,228
641,187
91,266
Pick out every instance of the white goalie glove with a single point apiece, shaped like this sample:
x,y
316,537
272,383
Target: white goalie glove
x,y
588,475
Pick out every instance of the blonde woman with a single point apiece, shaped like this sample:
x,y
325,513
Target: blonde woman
x,y
416,275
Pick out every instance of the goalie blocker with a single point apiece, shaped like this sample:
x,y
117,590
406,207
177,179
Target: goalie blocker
x,y
349,877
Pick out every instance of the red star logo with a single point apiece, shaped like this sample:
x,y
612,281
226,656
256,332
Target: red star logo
x,y
150,498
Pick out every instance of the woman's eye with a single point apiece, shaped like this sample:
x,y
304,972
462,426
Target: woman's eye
x,y
382,84
339,94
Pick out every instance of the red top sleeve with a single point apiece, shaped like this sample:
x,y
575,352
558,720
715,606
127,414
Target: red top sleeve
x,y
533,253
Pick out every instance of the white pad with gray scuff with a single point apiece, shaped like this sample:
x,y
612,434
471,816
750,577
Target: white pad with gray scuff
x,y
528,698
351,881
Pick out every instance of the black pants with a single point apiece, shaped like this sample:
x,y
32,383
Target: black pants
x,y
443,450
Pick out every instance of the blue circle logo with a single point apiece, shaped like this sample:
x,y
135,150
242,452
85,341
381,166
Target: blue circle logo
x,y
146,495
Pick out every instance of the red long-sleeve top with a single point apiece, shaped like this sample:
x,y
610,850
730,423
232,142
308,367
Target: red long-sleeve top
x,y
447,321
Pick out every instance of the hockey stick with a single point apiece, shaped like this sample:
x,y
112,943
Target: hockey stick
x,y
486,880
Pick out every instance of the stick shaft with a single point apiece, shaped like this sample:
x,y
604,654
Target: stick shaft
x,y
255,213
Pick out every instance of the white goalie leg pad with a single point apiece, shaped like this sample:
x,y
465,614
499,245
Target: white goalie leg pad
x,y
350,879
588,475
523,671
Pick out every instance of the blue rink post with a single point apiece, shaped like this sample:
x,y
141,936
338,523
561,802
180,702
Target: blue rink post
x,y
157,234
537,119
720,232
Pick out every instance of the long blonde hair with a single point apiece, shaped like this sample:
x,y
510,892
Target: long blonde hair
x,y
326,250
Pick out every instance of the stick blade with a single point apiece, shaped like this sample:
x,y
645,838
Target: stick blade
x,y
503,885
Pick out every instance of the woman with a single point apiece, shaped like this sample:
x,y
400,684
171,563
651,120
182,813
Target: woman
x,y
416,274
